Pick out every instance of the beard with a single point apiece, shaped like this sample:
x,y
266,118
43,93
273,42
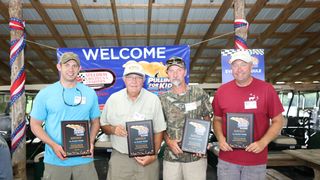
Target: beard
x,y
176,82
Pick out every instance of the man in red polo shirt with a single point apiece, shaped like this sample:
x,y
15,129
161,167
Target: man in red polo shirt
x,y
246,94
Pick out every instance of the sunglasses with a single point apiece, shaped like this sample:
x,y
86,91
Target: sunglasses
x,y
72,105
175,60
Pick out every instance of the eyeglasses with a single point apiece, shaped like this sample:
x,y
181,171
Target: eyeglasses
x,y
72,105
175,60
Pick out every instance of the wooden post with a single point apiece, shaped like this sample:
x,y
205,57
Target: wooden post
x,y
241,32
18,107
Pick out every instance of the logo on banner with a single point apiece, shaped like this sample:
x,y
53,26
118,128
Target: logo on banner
x,y
97,79
257,58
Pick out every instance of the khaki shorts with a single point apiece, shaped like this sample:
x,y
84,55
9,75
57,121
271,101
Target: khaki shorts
x,y
81,172
185,171
121,167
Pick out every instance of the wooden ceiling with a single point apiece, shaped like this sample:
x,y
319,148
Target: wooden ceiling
x,y
290,37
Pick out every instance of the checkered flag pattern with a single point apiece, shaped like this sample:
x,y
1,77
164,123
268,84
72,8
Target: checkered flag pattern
x,y
228,52
82,77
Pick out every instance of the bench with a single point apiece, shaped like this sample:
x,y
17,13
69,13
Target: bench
x,y
273,174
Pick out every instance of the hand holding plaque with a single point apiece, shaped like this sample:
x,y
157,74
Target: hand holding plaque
x,y
195,136
75,138
239,129
140,138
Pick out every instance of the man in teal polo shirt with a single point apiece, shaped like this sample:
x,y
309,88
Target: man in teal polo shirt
x,y
65,100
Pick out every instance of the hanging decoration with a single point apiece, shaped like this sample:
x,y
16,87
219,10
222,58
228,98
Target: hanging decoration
x,y
17,87
240,43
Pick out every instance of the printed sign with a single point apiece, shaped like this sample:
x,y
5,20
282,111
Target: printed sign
x,y
102,68
257,69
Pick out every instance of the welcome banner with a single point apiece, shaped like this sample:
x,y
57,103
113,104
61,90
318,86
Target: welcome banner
x,y
102,68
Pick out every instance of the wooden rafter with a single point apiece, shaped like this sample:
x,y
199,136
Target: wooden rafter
x,y
214,25
34,47
149,21
36,73
183,21
309,4
306,73
45,17
254,11
290,57
312,18
283,16
310,59
116,21
156,21
4,10
5,46
81,21
162,36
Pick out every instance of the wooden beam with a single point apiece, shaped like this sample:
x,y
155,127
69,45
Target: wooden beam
x,y
4,10
190,21
35,47
149,21
285,14
214,25
254,11
36,73
183,21
310,59
306,74
4,45
285,61
312,18
163,36
309,4
45,17
81,21
116,21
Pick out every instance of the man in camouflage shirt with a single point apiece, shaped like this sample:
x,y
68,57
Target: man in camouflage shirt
x,y
182,102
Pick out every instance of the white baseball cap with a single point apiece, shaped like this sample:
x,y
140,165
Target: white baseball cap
x,y
241,55
133,67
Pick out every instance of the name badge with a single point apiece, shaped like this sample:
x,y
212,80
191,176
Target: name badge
x,y
190,106
77,100
138,116
250,105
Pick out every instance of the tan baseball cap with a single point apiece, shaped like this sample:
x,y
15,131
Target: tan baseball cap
x,y
133,67
67,56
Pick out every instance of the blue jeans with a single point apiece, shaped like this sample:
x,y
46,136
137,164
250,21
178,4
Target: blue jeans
x,y
5,161
230,171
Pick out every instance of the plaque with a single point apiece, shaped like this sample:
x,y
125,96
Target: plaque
x,y
75,138
195,136
239,129
140,138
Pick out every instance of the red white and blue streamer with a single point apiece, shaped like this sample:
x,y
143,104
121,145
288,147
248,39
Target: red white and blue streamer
x,y
17,135
17,87
240,43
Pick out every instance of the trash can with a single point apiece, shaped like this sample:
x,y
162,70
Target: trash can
x,y
38,166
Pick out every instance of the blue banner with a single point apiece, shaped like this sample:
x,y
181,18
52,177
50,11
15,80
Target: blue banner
x,y
257,69
102,68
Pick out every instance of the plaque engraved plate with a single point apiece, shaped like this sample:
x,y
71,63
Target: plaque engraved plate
x,y
140,138
195,136
76,138
239,129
